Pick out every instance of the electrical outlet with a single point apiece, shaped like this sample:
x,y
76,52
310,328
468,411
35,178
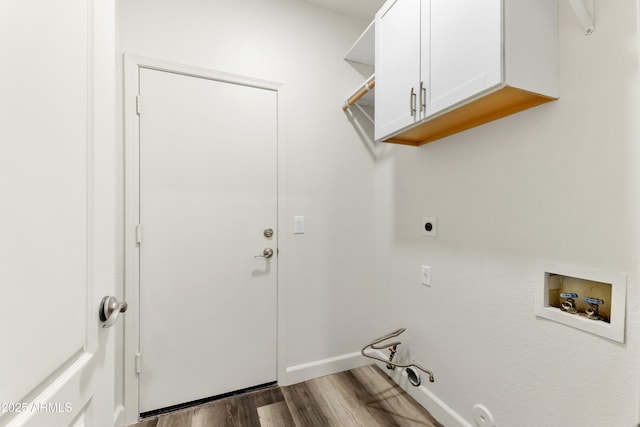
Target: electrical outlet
x,y
426,275
430,226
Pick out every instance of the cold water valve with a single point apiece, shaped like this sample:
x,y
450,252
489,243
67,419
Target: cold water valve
x,y
570,304
593,311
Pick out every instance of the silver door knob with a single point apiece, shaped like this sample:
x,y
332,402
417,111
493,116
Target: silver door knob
x,y
266,253
110,309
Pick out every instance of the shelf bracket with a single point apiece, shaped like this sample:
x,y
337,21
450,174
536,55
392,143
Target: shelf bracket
x,y
585,11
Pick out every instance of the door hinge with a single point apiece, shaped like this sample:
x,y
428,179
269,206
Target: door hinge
x,y
138,363
138,234
138,104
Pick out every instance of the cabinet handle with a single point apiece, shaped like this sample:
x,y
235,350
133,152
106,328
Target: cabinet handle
x,y
412,102
423,97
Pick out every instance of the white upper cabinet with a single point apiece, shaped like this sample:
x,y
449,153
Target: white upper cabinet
x,y
465,50
397,64
443,66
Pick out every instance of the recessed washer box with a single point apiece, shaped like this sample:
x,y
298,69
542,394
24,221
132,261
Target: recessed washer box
x,y
609,287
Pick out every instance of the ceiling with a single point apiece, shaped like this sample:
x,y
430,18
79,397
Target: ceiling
x,y
360,9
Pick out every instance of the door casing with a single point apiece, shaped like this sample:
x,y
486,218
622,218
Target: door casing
x,y
132,65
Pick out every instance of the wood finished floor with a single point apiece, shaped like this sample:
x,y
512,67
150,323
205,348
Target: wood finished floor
x,y
364,397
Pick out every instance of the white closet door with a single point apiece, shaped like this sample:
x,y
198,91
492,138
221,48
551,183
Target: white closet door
x,y
57,212
208,191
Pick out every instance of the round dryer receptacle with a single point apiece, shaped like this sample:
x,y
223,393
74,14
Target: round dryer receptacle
x,y
483,417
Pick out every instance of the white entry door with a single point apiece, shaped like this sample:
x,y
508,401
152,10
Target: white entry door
x,y
207,238
57,212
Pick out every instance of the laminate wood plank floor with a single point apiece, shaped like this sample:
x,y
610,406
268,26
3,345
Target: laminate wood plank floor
x,y
364,397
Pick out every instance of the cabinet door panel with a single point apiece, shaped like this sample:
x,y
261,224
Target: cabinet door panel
x,y
465,50
425,57
397,64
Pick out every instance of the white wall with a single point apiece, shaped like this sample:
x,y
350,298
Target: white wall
x,y
327,274
557,183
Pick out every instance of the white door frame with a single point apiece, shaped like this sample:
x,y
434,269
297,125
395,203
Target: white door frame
x,y
132,65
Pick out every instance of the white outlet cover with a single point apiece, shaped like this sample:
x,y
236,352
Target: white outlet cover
x,y
298,224
426,275
429,226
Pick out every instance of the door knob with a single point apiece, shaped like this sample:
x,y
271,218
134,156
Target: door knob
x,y
110,309
266,253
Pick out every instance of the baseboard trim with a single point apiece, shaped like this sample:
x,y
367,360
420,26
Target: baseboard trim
x,y
319,368
436,407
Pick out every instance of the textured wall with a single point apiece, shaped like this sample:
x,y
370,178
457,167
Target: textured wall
x,y
557,183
